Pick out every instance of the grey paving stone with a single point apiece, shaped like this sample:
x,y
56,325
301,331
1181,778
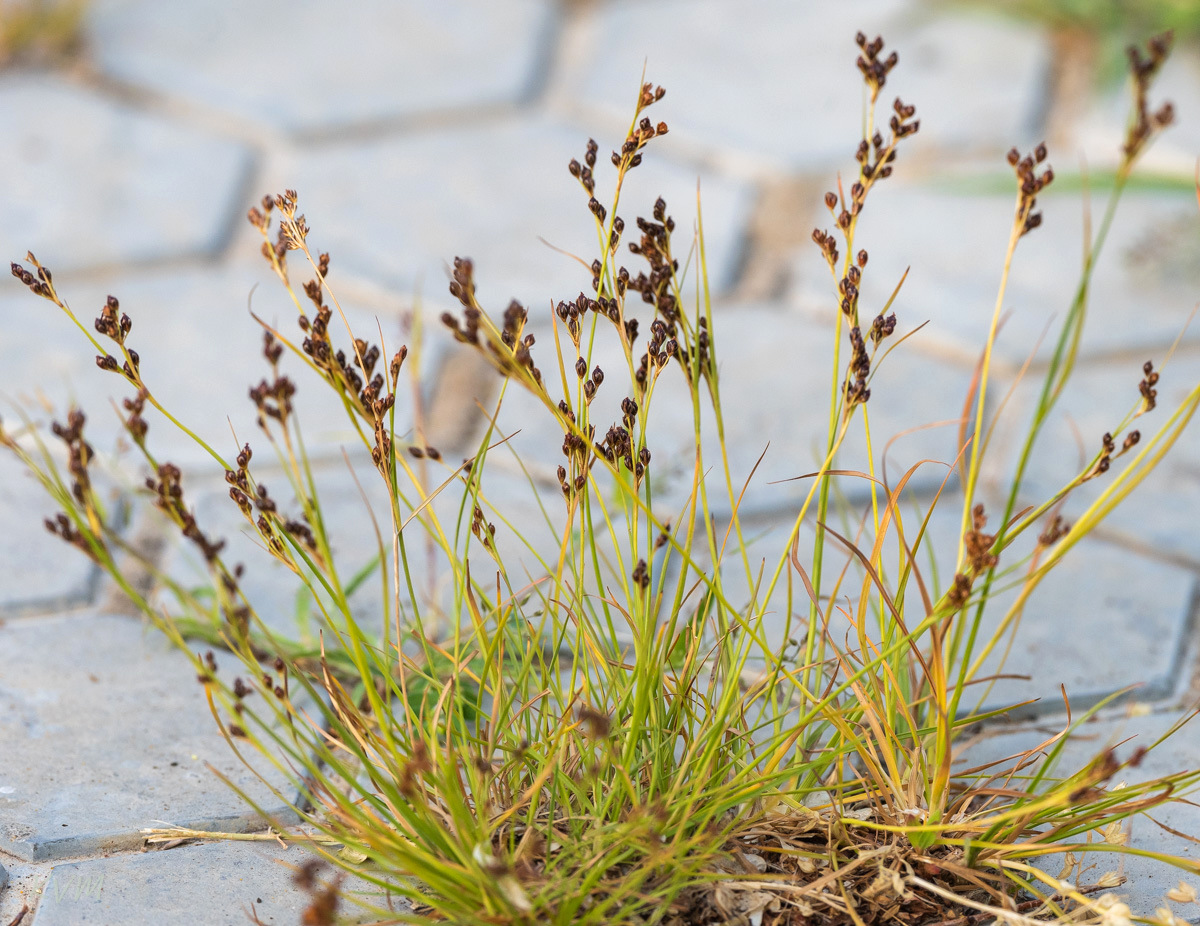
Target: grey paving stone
x,y
200,352
40,571
1161,514
1104,619
774,84
93,181
217,883
1146,881
3,877
398,211
107,733
954,243
529,523
775,375
376,61
270,587
25,883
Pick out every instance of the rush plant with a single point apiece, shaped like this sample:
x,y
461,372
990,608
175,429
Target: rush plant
x,y
600,729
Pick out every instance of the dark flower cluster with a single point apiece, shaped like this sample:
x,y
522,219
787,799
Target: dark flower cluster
x,y
979,559
79,456
167,486
369,393
273,398
1144,68
1030,184
40,285
874,69
1147,387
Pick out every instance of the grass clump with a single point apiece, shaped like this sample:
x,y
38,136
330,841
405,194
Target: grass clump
x,y
602,730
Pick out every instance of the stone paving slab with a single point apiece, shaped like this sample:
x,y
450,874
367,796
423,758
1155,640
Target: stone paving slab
x,y
110,733
1161,515
25,882
284,64
270,587
40,571
775,372
397,211
92,181
1146,881
529,521
916,398
1103,620
773,84
215,883
200,353
953,243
